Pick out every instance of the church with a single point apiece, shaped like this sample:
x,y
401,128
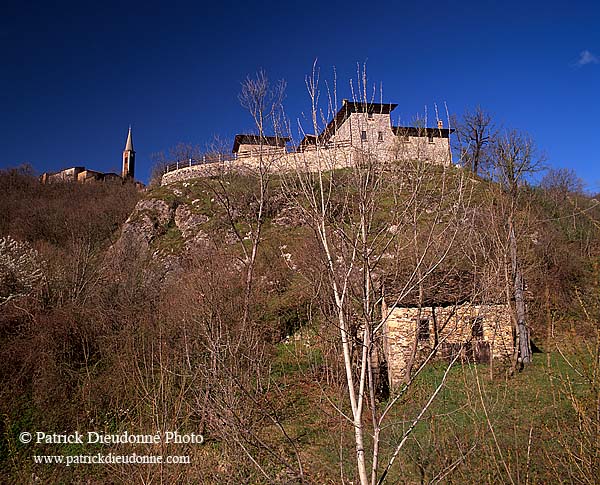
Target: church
x,y
83,174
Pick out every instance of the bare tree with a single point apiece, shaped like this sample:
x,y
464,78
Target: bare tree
x,y
515,158
475,133
182,152
238,351
264,103
344,210
20,270
562,181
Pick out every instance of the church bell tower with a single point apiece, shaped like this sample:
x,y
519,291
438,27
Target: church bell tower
x,y
128,171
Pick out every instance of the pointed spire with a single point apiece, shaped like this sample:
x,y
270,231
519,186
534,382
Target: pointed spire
x,y
129,144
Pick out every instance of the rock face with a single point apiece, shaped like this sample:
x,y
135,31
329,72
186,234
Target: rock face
x,y
190,225
156,230
149,219
174,225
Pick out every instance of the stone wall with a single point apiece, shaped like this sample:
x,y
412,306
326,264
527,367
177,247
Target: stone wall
x,y
360,135
421,148
307,161
203,170
352,129
469,329
373,134
338,154
253,150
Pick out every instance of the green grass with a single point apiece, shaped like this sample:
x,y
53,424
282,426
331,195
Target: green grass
x,y
171,242
456,424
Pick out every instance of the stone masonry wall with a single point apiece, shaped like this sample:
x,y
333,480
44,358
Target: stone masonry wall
x,y
345,148
313,159
308,161
381,139
420,148
455,327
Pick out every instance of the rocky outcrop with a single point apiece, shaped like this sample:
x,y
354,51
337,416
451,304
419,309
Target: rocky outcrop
x,y
149,220
156,230
183,221
190,225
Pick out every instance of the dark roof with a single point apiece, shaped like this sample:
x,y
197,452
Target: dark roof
x,y
442,288
417,131
278,141
349,107
307,141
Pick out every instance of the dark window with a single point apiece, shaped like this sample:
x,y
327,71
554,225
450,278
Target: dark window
x,y
430,137
363,135
477,327
370,115
380,136
424,329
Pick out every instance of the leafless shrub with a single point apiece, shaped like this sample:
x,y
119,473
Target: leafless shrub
x,y
21,270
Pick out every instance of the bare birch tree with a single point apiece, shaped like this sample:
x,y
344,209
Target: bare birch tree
x,y
345,209
263,101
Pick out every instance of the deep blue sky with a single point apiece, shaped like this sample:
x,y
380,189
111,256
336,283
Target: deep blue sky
x,y
75,75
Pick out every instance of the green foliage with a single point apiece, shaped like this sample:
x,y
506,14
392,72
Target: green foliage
x,y
171,241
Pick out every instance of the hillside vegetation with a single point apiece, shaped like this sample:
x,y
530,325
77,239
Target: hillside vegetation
x,y
207,307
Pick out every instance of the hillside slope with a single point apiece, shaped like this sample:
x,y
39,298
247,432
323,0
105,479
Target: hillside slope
x,y
166,323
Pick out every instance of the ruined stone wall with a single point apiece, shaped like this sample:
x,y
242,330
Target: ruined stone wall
x,y
455,327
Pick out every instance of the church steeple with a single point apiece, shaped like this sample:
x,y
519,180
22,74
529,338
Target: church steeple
x,y
128,158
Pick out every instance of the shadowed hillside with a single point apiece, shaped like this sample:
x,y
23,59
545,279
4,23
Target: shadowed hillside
x,y
204,307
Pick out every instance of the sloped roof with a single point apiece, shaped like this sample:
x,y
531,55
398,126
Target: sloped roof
x,y
349,107
129,143
440,288
278,141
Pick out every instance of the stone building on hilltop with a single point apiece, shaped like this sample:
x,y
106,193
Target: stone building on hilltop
x,y
253,145
356,130
368,127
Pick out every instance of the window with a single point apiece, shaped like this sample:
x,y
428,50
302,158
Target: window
x,y
424,329
430,137
405,139
370,115
477,327
380,136
363,136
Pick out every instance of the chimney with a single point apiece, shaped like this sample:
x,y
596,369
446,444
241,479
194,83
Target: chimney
x,y
440,124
